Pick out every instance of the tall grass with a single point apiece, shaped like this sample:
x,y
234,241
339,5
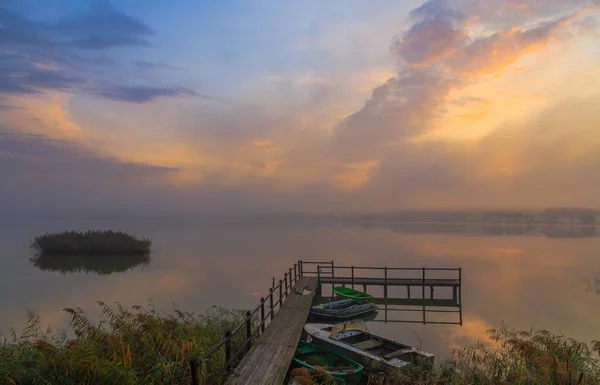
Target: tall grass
x,y
523,357
91,242
137,346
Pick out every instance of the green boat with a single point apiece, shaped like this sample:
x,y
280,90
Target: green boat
x,y
358,296
343,369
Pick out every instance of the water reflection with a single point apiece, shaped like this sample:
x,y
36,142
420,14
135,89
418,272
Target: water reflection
x,y
486,229
525,280
98,264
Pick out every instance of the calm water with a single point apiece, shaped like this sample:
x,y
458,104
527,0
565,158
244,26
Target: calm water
x,y
540,278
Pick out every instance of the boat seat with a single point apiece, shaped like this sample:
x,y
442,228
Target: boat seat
x,y
399,353
368,344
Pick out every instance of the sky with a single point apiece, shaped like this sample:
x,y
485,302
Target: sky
x,y
319,106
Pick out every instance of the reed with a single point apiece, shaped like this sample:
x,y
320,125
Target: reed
x,y
137,346
523,357
93,242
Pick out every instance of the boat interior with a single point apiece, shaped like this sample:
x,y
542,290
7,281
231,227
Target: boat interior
x,y
381,347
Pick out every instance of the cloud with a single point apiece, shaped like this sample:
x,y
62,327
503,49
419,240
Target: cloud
x,y
38,170
152,66
39,56
103,26
142,94
441,53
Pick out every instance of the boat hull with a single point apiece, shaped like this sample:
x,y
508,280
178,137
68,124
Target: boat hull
x,y
342,368
319,334
355,295
342,310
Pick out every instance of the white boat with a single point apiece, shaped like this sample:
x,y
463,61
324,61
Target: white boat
x,y
342,310
353,340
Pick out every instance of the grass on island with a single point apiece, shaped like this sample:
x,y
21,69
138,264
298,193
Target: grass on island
x,y
138,346
95,242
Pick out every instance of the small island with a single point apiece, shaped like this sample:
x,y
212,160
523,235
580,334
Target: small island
x,y
95,242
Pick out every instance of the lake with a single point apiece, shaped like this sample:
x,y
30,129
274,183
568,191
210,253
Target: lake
x,y
526,277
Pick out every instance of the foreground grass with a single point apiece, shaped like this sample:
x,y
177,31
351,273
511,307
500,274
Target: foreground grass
x,y
140,346
524,357
91,242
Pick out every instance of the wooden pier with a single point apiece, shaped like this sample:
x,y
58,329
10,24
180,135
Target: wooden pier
x,y
268,360
260,349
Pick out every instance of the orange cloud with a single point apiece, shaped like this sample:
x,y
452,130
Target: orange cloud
x,y
356,175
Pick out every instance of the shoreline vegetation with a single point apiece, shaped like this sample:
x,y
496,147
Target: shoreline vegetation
x,y
92,242
148,346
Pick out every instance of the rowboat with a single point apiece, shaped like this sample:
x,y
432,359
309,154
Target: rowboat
x,y
353,340
342,310
343,369
348,293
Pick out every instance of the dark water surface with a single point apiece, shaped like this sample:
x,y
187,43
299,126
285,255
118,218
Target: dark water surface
x,y
526,277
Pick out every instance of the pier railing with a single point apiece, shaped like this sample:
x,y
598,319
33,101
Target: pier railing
x,y
215,365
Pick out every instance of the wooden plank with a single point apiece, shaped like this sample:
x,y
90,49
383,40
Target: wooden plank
x,y
268,360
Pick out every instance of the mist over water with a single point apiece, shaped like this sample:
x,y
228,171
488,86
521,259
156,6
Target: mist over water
x,y
535,278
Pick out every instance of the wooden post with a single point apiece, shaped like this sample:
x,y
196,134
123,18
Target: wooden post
x,y
423,287
248,330
460,293
300,264
352,269
271,303
431,291
227,351
460,285
295,272
291,279
408,290
332,274
194,370
273,286
262,315
385,285
423,284
365,288
280,294
286,284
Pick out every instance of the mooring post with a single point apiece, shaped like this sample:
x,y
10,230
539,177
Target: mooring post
x,y
271,303
385,285
227,351
262,315
248,330
194,370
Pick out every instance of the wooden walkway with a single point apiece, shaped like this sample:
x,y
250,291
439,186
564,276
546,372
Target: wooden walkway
x,y
269,359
